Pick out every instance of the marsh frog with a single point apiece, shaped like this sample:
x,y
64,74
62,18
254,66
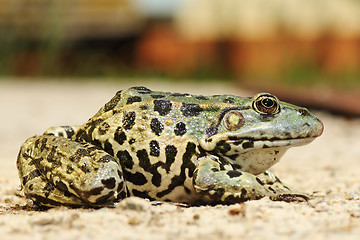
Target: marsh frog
x,y
167,147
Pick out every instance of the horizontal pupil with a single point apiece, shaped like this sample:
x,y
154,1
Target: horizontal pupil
x,y
268,102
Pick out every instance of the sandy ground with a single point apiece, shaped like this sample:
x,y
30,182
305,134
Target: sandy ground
x,y
328,170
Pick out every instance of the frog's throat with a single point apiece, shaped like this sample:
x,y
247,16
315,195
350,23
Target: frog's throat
x,y
256,161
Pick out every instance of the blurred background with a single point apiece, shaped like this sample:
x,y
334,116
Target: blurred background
x,y
307,51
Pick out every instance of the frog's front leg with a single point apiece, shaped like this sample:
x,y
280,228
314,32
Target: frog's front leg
x,y
58,171
231,186
284,193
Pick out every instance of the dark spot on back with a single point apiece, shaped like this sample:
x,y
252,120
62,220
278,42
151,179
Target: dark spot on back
x,y
129,120
133,99
170,154
154,148
156,96
120,136
201,97
113,102
180,94
156,126
141,88
163,107
190,109
229,100
180,129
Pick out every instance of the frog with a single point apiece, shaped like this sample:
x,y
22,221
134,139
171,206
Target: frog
x,y
167,147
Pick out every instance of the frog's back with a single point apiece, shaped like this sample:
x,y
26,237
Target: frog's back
x,y
145,96
192,114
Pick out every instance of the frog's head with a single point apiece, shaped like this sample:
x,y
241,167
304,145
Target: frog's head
x,y
256,133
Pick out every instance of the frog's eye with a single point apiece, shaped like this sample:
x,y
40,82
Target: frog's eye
x,y
233,120
266,104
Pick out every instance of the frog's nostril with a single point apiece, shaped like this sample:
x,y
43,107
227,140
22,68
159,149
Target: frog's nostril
x,y
303,112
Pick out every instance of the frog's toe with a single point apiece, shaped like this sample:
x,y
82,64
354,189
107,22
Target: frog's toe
x,y
291,197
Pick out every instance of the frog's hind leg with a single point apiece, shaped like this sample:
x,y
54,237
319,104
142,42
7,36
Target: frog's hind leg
x,y
62,131
57,171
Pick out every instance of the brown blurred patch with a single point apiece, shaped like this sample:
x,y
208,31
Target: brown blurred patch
x,y
161,48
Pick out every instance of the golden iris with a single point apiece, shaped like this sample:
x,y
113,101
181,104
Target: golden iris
x,y
266,104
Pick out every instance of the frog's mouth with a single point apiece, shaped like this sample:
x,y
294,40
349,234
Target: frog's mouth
x,y
241,144
244,144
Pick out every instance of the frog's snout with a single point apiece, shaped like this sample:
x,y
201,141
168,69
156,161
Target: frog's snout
x,y
320,127
312,123
317,127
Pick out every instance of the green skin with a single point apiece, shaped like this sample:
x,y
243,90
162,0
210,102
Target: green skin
x,y
167,147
